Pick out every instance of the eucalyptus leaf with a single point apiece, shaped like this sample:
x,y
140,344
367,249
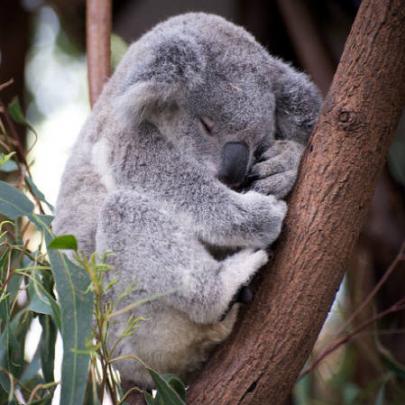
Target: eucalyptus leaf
x,y
6,164
38,193
76,303
165,392
13,203
31,370
64,242
76,300
149,399
9,167
47,347
16,113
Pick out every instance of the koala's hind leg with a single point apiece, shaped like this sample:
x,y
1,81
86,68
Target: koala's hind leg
x,y
159,252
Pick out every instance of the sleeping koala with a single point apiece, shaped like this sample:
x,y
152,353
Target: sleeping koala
x,y
191,146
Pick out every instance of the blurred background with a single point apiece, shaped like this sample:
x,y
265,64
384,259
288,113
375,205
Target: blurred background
x,y
42,48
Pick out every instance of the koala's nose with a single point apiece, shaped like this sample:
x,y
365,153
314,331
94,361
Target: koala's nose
x,y
234,163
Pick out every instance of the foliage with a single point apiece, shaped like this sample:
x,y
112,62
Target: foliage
x,y
47,284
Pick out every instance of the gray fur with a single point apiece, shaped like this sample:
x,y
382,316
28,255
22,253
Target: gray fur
x,y
142,180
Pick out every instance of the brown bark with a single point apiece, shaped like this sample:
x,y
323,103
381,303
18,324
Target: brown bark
x,y
98,29
262,359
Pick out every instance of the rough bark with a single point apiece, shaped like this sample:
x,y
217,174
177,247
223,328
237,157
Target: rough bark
x,y
262,359
98,27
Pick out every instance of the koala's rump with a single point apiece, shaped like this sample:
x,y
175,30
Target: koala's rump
x,y
169,342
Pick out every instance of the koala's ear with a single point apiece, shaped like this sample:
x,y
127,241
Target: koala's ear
x,y
159,75
298,102
144,99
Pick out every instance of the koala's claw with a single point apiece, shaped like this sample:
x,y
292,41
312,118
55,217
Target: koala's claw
x,y
279,184
276,171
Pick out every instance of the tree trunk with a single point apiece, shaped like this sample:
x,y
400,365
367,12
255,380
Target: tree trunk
x,y
261,361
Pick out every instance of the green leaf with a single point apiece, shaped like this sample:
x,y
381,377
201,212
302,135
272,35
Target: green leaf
x,y
13,203
6,164
39,300
12,342
38,193
165,392
9,166
176,384
16,112
149,399
47,347
76,302
66,242
31,371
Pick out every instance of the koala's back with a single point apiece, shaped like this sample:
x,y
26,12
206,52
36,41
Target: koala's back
x,y
80,197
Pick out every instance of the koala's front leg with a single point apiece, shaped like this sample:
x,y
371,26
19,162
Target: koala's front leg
x,y
277,168
153,250
241,220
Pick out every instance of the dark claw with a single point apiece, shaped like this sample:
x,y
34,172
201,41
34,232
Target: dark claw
x,y
245,295
259,152
252,177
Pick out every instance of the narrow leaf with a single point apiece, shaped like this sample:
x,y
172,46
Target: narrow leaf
x,y
16,112
166,392
38,193
66,242
13,203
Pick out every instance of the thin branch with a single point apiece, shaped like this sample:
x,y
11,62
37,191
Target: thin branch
x,y
98,23
399,258
398,306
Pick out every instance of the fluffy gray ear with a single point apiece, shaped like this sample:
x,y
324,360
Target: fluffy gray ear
x,y
163,73
145,99
298,102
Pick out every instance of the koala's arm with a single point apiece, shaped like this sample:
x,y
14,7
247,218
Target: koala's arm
x,y
298,102
217,214
226,218
160,256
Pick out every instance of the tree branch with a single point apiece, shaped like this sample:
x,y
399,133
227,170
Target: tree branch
x,y
98,31
262,359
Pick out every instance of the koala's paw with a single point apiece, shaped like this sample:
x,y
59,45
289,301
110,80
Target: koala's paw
x,y
276,171
266,215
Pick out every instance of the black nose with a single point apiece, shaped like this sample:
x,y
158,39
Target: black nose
x,y
234,163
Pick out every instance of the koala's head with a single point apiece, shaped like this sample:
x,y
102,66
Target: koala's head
x,y
213,92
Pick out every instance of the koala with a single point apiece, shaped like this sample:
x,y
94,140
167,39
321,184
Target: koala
x,y
191,148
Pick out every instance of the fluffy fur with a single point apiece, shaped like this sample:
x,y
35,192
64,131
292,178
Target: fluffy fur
x,y
142,181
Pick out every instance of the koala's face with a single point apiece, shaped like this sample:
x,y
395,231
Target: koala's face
x,y
230,117
222,121
206,85
220,125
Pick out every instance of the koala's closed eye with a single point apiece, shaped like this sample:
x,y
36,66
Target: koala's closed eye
x,y
207,125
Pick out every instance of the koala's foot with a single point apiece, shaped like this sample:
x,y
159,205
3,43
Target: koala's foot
x,y
277,168
239,268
